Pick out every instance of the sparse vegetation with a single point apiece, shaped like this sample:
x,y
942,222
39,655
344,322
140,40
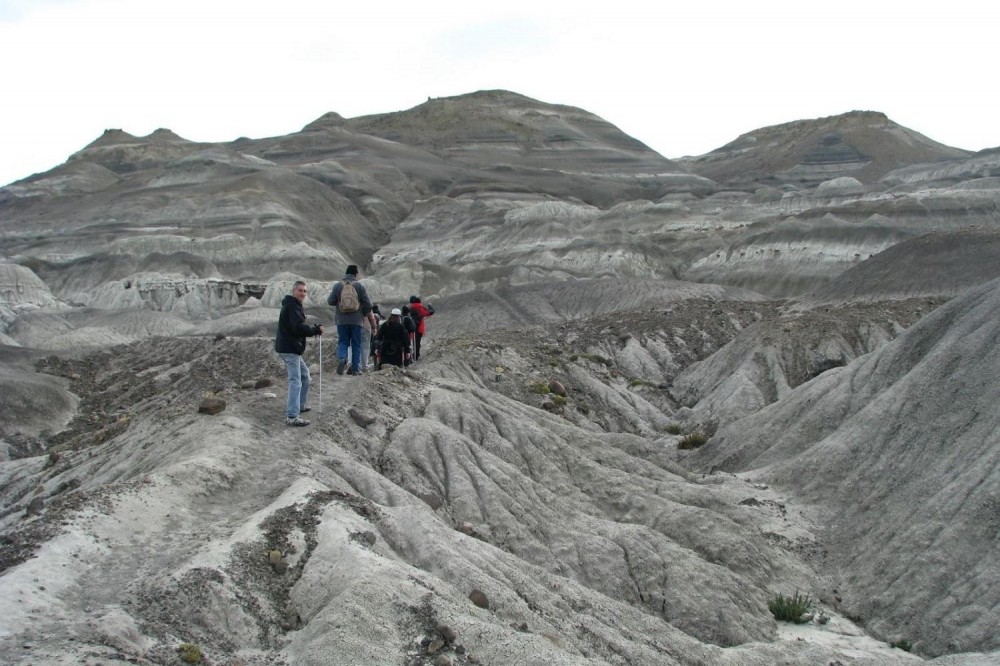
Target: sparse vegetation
x,y
597,358
559,400
639,381
674,429
190,653
902,644
789,609
541,388
692,440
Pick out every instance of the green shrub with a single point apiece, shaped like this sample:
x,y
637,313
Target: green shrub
x,y
597,358
674,429
902,644
789,609
559,400
541,388
692,440
190,653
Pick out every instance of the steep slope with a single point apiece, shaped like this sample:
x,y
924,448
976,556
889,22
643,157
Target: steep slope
x,y
899,451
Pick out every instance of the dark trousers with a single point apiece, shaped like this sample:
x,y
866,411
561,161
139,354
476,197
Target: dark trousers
x,y
416,346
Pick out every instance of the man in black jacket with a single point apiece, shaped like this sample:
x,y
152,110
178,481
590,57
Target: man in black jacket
x,y
290,342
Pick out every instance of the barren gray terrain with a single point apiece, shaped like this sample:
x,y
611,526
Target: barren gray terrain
x,y
655,394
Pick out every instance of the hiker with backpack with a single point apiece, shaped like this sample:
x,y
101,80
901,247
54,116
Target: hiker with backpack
x,y
290,343
419,312
411,331
392,341
353,307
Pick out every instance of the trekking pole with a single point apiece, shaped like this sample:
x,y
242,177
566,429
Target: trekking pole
x,y
321,374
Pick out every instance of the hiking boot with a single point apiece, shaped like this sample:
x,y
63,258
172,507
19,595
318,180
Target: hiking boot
x,y
350,371
297,421
340,367
305,409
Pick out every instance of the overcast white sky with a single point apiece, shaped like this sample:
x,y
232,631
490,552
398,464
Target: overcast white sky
x,y
683,78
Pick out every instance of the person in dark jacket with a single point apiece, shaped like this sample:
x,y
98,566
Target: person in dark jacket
x,y
290,343
392,339
411,329
419,312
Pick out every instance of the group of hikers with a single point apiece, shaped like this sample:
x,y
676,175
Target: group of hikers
x,y
362,333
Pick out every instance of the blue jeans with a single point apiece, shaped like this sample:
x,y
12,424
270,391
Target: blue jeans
x,y
350,336
298,383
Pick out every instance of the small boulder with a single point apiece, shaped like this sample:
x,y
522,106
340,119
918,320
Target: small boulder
x,y
447,633
478,597
556,387
442,660
360,416
248,384
263,382
35,507
211,405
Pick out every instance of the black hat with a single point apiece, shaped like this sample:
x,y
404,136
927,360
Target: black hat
x,y
414,299
352,270
375,309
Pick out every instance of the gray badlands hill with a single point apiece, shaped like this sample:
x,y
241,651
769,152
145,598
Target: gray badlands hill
x,y
945,263
426,513
864,145
899,455
520,495
477,191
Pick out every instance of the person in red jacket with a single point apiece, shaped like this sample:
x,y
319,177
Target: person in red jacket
x,y
419,312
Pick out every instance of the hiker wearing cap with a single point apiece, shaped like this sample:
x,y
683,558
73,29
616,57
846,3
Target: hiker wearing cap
x,y
392,340
353,307
290,343
419,312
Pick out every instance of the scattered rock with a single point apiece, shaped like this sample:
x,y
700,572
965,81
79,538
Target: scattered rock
x,y
52,460
549,406
291,619
447,633
435,646
281,566
556,387
211,405
263,382
248,384
35,507
479,598
442,660
269,395
360,416
433,501
467,528
274,556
